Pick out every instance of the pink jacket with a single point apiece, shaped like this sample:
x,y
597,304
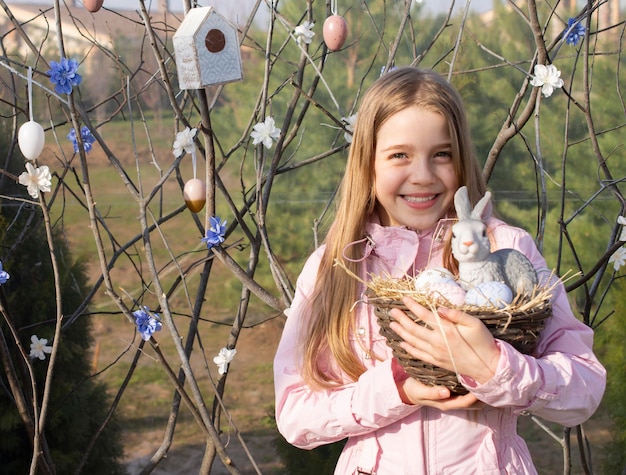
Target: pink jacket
x,y
563,382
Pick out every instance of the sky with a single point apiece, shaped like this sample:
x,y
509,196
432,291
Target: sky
x,y
233,5
232,9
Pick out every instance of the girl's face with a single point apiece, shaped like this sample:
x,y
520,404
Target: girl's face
x,y
414,173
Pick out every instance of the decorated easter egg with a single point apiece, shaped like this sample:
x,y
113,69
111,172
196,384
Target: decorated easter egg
x,y
195,194
428,277
93,5
31,139
489,294
448,291
335,32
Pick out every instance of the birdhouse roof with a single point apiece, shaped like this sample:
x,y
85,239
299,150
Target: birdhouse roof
x,y
195,19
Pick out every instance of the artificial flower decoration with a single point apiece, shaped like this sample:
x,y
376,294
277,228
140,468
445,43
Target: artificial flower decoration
x,y
224,357
215,233
574,32
146,323
265,132
38,347
305,32
349,126
184,142
85,135
4,275
618,259
622,220
64,75
548,78
36,179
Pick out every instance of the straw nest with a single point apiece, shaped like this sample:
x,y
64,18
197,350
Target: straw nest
x,y
519,323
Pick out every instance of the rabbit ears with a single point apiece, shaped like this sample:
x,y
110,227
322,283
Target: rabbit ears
x,y
464,207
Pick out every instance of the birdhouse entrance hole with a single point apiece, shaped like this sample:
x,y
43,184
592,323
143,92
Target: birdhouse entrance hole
x,y
215,40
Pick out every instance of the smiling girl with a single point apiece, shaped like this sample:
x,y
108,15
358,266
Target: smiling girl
x,y
335,377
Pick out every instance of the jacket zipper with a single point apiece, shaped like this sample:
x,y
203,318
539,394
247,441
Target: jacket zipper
x,y
426,438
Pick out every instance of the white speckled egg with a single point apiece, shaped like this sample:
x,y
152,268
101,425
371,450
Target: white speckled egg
x,y
195,194
449,291
489,294
31,139
335,32
428,277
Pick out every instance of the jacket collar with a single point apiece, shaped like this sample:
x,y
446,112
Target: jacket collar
x,y
398,246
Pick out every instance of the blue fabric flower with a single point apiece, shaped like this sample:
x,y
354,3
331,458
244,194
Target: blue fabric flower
x,y
4,275
146,323
574,32
85,135
64,76
215,233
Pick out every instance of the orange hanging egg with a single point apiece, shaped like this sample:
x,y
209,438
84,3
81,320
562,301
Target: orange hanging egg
x,y
194,194
335,32
93,5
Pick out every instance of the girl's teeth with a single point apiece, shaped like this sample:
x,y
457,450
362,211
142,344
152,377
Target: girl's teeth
x,y
416,199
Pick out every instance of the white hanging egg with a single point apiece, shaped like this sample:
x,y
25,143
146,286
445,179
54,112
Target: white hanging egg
x,y
428,277
448,292
31,139
335,32
194,194
489,294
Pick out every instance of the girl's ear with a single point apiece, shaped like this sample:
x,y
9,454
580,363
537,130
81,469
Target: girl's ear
x,y
483,207
462,204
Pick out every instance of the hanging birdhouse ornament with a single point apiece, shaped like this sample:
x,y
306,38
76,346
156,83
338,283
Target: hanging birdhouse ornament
x,y
206,48
31,139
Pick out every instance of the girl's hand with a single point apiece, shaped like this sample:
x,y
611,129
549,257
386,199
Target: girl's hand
x,y
414,392
468,347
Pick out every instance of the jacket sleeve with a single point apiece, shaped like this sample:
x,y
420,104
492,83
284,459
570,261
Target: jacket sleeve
x,y
308,418
563,381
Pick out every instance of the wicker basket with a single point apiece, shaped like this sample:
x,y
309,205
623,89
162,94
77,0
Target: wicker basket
x,y
520,328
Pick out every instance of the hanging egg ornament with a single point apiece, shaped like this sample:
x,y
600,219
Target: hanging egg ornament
x,y
31,139
335,32
93,5
194,194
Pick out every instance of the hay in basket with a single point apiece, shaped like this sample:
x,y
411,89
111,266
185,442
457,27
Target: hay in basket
x,y
519,323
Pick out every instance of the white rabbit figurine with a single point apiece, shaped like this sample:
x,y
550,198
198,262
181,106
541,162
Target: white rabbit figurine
x,y
472,249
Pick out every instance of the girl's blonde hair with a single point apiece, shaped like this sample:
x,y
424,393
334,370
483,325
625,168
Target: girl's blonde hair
x,y
332,317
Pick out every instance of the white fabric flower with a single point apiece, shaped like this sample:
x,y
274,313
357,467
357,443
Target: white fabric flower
x,y
184,141
349,121
618,258
224,357
38,347
622,220
548,78
265,132
305,32
36,179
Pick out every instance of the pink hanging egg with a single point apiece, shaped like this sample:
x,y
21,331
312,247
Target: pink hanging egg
x,y
31,139
335,32
93,5
194,194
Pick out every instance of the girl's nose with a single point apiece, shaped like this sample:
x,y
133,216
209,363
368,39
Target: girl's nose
x,y
421,171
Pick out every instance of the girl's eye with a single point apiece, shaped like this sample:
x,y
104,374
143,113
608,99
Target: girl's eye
x,y
399,155
444,155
